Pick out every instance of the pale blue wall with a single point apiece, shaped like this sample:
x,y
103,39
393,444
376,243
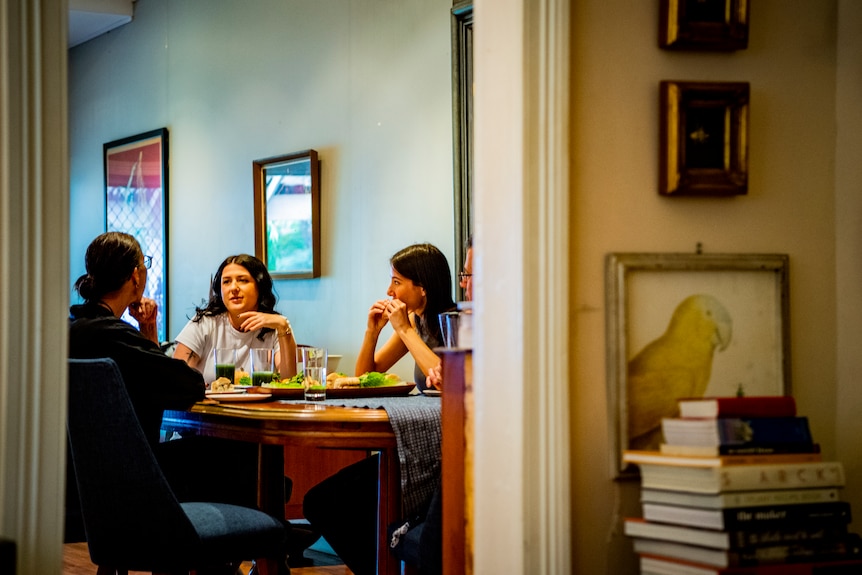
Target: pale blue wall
x,y
364,82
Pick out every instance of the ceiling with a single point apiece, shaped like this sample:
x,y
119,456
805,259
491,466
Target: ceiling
x,y
91,18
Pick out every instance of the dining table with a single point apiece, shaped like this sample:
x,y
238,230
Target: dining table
x,y
405,431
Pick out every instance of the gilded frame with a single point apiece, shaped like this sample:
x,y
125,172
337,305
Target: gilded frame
x,y
703,138
751,335
703,25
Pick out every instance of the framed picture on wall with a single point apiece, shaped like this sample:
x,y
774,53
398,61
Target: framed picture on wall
x,y
690,325
287,214
703,24
136,202
703,138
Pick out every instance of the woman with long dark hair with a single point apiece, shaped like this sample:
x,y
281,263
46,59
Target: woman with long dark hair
x,y
420,288
240,314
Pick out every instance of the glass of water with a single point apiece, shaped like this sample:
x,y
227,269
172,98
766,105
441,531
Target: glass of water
x,y
314,372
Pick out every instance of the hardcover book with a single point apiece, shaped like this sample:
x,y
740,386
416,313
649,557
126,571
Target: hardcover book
x,y
638,457
742,477
736,430
735,538
655,565
741,498
838,549
744,449
747,406
835,513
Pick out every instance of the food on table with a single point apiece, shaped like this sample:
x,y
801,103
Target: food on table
x,y
293,382
238,375
377,379
221,384
344,382
370,379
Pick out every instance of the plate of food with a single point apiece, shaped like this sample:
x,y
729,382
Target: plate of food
x,y
236,397
225,391
342,386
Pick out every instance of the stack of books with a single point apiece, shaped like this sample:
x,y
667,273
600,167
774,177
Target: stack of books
x,y
739,487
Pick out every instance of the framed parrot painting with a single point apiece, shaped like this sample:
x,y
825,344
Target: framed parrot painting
x,y
690,325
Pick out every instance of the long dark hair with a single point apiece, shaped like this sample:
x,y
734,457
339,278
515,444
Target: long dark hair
x,y
110,260
427,267
266,298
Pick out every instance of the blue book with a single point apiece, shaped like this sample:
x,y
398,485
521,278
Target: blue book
x,y
736,431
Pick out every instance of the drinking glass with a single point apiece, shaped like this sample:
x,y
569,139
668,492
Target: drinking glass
x,y
314,370
449,328
225,363
261,366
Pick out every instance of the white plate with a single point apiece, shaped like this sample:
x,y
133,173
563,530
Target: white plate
x,y
234,390
240,396
432,392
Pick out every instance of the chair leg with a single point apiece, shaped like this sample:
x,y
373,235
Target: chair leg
x,y
269,567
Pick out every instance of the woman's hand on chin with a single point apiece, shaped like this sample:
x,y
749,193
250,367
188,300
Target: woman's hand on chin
x,y
399,317
255,320
144,311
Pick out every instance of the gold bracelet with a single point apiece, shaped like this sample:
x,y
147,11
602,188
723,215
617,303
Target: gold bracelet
x,y
286,331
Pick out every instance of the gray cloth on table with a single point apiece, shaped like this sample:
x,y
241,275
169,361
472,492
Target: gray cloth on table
x,y
416,423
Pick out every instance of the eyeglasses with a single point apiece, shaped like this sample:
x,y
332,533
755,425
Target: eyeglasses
x,y
462,276
148,261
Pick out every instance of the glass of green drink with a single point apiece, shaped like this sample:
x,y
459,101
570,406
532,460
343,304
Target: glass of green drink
x,y
225,363
261,366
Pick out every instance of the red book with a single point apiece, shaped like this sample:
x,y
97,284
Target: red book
x,y
746,406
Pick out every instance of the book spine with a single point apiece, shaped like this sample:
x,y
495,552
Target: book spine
x,y
769,448
759,406
793,553
781,476
779,497
803,534
767,430
738,518
835,567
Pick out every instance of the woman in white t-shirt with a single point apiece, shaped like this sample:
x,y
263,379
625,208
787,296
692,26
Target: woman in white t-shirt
x,y
241,315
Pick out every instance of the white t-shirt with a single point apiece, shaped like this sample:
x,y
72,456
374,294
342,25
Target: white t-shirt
x,y
212,332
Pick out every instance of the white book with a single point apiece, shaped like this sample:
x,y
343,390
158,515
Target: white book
x,y
755,477
741,498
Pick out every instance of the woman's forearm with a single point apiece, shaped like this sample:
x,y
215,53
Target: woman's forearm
x,y
365,358
285,363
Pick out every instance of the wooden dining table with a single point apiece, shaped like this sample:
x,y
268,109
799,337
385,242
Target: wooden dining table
x,y
275,424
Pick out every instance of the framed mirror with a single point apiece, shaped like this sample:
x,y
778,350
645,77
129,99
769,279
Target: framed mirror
x,y
287,214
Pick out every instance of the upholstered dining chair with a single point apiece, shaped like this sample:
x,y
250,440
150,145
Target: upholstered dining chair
x,y
132,519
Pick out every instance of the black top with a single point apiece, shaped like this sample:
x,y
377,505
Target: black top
x,y
155,382
431,341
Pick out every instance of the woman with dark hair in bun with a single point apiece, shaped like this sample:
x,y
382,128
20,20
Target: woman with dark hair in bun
x,y
115,281
240,315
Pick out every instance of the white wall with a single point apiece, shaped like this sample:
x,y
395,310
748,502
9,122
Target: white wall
x,y
790,208
367,83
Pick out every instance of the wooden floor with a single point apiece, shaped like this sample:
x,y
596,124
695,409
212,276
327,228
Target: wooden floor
x,y
76,561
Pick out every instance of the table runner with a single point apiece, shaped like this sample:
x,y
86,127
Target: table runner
x,y
416,422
